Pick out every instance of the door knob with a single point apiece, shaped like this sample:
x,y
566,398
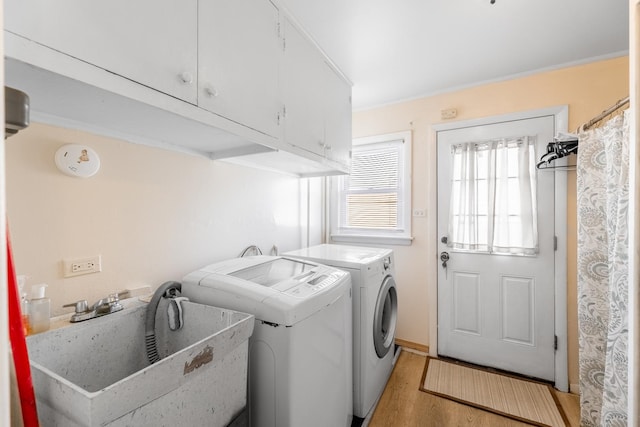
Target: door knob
x,y
444,257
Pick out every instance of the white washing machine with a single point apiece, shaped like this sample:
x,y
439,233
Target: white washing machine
x,y
300,353
375,305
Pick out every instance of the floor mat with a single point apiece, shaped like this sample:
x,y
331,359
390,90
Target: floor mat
x,y
521,399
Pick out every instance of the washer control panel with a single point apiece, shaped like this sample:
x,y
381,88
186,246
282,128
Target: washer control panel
x,y
381,267
316,284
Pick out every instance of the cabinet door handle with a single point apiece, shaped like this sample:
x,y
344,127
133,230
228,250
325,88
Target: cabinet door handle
x,y
324,145
211,91
186,77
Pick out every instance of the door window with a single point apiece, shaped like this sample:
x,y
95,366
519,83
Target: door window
x,y
493,197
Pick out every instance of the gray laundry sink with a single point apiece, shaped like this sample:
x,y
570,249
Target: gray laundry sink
x,y
96,373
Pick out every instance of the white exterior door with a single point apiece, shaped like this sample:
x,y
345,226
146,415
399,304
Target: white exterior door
x,y
497,309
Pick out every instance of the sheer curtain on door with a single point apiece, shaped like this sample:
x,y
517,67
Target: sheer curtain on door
x,y
493,197
603,263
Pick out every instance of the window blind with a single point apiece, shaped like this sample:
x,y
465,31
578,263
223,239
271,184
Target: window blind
x,y
372,196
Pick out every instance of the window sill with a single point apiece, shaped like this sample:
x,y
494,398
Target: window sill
x,y
380,240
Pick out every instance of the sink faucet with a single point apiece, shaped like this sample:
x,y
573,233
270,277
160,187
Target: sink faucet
x,y
102,307
108,305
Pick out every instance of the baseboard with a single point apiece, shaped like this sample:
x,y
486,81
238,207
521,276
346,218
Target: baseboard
x,y
574,389
412,345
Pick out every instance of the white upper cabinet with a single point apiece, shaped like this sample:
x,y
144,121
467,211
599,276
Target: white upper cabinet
x,y
317,101
152,42
302,81
337,113
226,79
239,50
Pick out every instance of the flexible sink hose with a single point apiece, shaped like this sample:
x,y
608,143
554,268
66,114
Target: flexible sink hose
x,y
167,290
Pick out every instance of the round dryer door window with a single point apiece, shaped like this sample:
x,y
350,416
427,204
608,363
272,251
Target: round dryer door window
x,y
385,316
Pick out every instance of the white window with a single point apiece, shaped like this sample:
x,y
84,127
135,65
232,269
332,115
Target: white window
x,y
373,203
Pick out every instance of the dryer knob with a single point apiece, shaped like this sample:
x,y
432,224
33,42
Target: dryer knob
x,y
387,263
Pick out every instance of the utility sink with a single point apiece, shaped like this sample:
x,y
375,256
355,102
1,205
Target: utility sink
x,y
96,373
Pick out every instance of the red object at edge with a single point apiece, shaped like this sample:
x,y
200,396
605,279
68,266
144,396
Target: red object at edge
x,y
19,347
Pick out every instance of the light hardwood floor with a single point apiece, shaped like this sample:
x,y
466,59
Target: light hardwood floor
x,y
403,405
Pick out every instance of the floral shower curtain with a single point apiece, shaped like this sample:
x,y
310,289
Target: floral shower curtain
x,y
603,259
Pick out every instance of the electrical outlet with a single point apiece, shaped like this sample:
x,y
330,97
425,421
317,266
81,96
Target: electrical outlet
x,y
80,266
419,212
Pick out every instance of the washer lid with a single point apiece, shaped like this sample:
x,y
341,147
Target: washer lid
x,y
274,289
342,255
275,273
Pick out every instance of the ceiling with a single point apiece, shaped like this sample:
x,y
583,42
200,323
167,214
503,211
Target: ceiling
x,y
394,50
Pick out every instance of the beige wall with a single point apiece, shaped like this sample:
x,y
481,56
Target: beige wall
x,y
586,89
153,215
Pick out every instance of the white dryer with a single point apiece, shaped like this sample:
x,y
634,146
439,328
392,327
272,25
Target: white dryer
x,y
300,353
375,306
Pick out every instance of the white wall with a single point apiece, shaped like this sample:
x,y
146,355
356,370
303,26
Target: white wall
x,y
153,215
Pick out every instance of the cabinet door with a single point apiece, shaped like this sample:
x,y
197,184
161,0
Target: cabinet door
x,y
302,80
238,54
152,42
338,114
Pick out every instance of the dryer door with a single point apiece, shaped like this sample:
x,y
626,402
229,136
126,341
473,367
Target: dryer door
x,y
385,316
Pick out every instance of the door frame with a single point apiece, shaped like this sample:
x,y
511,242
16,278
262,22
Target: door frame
x,y
561,119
